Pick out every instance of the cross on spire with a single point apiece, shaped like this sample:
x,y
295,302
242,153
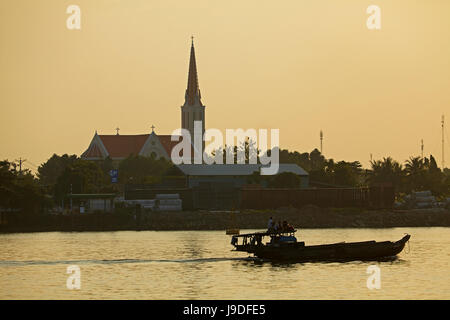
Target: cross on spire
x,y
153,128
117,129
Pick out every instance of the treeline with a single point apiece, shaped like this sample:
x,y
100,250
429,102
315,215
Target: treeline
x,y
21,190
415,174
61,175
65,174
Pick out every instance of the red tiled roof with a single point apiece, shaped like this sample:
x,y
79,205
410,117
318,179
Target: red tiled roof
x,y
92,152
121,146
167,143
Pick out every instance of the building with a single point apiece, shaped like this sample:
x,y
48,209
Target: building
x,y
215,186
220,186
234,175
119,147
193,108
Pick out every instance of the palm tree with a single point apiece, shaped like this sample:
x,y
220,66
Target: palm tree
x,y
386,170
415,170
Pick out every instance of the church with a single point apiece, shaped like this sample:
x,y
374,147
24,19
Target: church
x,y
118,146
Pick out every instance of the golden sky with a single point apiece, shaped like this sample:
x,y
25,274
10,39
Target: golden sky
x,y
297,65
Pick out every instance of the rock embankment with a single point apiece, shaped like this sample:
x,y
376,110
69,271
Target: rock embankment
x,y
306,217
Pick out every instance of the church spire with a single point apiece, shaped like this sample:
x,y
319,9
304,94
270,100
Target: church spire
x,y
193,96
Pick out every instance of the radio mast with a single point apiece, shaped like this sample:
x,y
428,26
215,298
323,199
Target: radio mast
x,y
321,143
443,157
421,147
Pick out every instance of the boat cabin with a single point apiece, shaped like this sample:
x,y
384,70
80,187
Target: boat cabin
x,y
245,241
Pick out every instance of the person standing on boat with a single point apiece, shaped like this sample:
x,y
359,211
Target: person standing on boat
x,y
279,227
270,225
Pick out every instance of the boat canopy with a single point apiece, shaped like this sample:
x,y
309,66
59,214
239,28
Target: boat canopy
x,y
264,234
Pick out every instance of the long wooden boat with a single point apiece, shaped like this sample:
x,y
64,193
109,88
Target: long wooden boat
x,y
284,246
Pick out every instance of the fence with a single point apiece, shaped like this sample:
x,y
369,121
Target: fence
x,y
224,197
142,192
374,197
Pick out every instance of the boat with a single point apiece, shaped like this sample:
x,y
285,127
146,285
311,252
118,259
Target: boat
x,y
284,247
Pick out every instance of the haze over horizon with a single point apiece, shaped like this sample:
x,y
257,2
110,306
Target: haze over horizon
x,y
298,66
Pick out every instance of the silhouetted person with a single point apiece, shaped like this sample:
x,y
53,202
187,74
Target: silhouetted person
x,y
278,227
270,225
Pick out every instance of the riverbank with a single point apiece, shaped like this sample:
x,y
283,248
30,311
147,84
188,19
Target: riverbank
x,y
306,217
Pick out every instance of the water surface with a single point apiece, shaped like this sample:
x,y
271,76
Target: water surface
x,y
201,265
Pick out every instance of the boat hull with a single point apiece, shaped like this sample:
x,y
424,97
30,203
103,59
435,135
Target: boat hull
x,y
298,252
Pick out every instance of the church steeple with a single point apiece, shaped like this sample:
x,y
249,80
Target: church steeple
x,y
193,108
193,96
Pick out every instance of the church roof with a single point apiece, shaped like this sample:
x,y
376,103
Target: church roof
x,y
92,152
167,143
122,146
119,146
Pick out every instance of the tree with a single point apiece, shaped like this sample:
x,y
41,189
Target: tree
x,y
20,190
415,173
106,165
446,182
82,176
49,171
434,178
244,148
317,160
386,170
140,170
347,173
285,180
173,171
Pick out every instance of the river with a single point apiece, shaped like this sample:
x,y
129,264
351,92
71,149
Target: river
x,y
201,265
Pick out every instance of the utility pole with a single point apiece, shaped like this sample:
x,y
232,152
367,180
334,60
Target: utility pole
x,y
421,147
443,157
20,164
321,141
